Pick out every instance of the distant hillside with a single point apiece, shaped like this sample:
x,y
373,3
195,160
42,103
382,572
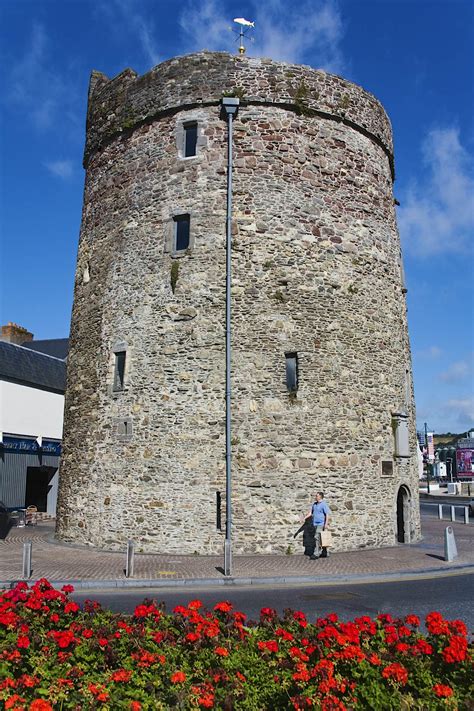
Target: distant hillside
x,y
447,439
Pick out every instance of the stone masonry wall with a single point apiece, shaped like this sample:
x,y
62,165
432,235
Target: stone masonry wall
x,y
316,270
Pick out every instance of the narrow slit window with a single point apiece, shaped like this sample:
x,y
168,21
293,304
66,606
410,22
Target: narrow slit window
x,y
181,232
119,372
291,372
190,139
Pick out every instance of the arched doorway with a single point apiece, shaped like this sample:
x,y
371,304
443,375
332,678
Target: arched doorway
x,y
403,515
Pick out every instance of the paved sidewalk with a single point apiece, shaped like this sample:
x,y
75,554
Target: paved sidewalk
x,y
84,567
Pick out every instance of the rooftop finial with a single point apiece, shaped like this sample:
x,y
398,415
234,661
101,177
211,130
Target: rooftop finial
x,y
243,33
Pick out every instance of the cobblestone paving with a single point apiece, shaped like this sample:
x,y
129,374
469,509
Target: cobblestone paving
x,y
57,561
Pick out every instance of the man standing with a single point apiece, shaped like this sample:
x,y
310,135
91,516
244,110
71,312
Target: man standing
x,y
320,512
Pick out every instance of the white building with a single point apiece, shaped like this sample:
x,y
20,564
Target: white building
x,y
32,385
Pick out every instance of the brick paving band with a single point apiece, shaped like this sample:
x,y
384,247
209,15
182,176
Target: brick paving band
x,y
64,562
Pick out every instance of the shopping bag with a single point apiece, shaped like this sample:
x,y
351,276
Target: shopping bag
x,y
326,539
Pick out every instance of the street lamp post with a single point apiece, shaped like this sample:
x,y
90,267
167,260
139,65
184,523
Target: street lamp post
x,y
450,473
230,106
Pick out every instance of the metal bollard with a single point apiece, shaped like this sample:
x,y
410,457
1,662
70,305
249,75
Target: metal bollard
x,y
27,559
453,513
130,560
440,511
450,548
466,514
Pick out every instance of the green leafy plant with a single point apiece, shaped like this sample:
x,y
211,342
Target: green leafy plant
x,y
238,92
55,655
174,275
344,101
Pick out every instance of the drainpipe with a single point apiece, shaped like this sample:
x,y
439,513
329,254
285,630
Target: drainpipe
x,y
230,106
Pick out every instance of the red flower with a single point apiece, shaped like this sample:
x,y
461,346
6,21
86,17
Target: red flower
x,y
442,690
458,626
324,667
352,651
121,675
103,642
146,659
87,633
123,626
222,651
271,645
23,642
135,706
99,692
178,677
40,705
456,651
423,647
12,702
332,703
240,676
436,624
67,588
333,617
297,653
71,607
206,700
63,638
374,659
302,673
397,672
280,632
267,612
412,620
195,604
223,606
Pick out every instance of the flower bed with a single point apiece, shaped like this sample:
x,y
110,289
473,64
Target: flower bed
x,y
53,655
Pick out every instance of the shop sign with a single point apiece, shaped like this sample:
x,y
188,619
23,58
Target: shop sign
x,y
25,445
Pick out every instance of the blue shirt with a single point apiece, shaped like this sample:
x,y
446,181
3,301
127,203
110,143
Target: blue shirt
x,y
319,510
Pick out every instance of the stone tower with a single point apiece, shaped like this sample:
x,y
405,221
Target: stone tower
x,y
321,358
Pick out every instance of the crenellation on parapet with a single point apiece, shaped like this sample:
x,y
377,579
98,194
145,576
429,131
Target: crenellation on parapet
x,y
128,100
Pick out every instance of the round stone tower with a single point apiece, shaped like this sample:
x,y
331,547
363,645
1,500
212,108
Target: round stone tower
x,y
322,396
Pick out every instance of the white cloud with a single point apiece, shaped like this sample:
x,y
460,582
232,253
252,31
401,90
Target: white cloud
x,y
455,414
437,215
432,352
456,371
61,168
206,26
124,17
281,32
34,87
462,410
26,81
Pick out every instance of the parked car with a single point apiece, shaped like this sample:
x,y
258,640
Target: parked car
x,y
5,520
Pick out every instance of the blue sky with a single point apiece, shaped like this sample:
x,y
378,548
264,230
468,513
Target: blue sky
x,y
416,56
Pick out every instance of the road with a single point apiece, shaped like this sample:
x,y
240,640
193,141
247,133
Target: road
x,y
452,595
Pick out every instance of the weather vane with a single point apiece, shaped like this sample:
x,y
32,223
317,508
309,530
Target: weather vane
x,y
243,32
